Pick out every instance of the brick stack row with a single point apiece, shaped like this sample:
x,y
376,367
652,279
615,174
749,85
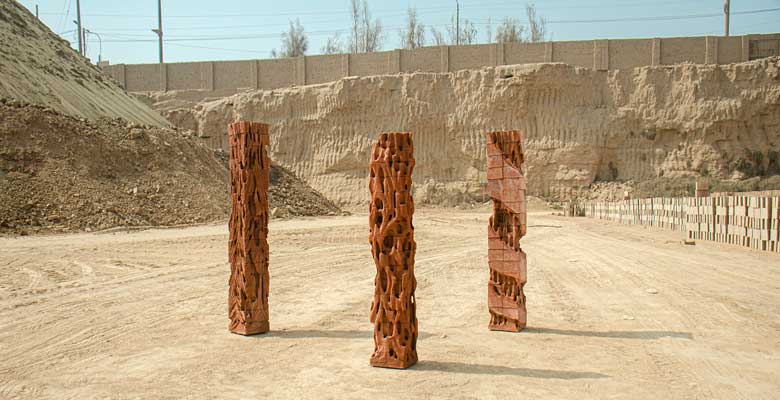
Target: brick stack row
x,y
747,220
507,262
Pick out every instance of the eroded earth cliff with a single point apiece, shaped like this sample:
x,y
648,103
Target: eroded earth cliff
x,y
581,125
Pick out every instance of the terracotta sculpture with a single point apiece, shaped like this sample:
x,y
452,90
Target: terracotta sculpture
x,y
393,247
248,245
506,186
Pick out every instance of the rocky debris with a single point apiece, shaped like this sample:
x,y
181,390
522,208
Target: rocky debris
x,y
60,173
289,196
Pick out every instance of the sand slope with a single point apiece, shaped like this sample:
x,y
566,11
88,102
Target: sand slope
x,y
38,67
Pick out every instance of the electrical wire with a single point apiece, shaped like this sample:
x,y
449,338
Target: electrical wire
x,y
175,40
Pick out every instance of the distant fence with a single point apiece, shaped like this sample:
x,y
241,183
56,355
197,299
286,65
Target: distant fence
x,y
744,219
231,76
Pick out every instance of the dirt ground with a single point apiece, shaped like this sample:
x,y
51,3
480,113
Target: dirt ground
x,y
614,312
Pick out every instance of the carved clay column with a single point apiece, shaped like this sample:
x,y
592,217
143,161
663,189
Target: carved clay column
x,y
393,247
506,186
248,247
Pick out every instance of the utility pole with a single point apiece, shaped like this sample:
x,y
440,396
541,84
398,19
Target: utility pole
x,y
727,14
457,22
80,31
100,42
159,30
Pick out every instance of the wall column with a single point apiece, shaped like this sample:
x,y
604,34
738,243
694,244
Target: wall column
x,y
445,58
601,55
500,58
300,70
207,76
121,74
253,68
548,52
745,48
710,50
656,55
163,77
394,62
345,65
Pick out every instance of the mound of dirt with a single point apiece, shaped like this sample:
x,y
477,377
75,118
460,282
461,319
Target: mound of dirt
x,y
289,195
59,173
38,67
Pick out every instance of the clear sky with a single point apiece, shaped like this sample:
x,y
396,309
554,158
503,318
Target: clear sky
x,y
197,30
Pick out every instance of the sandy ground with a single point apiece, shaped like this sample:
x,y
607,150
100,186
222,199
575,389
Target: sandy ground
x,y
614,312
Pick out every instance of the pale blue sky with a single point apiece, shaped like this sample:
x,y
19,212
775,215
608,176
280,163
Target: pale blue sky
x,y
198,30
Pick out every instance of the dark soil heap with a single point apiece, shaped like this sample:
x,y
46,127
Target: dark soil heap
x,y
288,195
59,173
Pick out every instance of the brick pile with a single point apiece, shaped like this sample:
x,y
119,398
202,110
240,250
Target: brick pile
x,y
248,244
750,219
507,262
391,235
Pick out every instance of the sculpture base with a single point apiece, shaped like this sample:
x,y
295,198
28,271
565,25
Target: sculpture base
x,y
506,328
381,362
254,328
500,322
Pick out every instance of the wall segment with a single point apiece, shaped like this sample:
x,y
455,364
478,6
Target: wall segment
x,y
308,70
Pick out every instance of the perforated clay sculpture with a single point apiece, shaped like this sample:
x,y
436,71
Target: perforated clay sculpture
x,y
248,246
506,186
393,247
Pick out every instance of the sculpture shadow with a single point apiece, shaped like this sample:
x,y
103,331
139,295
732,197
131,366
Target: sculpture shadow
x,y
641,335
330,334
479,369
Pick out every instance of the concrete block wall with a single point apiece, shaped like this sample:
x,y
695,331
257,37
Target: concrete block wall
x,y
597,54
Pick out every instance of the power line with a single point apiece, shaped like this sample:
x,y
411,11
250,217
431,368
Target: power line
x,y
219,48
130,38
175,40
658,18
574,21
280,14
65,14
380,13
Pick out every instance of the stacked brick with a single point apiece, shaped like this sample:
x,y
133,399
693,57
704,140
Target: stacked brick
x,y
507,262
774,225
743,219
701,218
248,244
391,235
759,223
